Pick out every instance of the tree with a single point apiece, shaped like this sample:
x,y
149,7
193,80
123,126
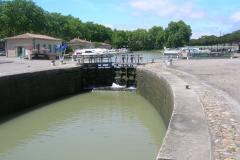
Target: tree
x,y
130,44
119,39
97,44
21,16
177,34
236,35
156,37
98,33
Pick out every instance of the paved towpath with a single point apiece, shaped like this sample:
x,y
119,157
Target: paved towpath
x,y
9,66
217,82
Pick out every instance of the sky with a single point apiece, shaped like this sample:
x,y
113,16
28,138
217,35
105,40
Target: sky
x,y
206,17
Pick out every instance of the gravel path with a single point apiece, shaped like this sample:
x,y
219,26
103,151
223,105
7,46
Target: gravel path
x,y
217,82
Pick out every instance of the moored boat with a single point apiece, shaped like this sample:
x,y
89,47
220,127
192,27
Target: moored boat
x,y
168,52
96,51
122,51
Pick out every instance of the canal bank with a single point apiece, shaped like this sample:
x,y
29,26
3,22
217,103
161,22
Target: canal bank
x,y
216,81
224,141
156,86
181,109
27,83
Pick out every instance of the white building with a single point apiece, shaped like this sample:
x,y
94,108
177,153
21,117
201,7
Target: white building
x,y
25,44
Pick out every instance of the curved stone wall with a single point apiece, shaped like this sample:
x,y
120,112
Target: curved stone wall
x,y
156,90
187,136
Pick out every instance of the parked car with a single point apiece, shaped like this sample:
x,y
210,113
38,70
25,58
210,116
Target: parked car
x,y
2,53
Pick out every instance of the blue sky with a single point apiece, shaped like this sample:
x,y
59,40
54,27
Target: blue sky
x,y
206,17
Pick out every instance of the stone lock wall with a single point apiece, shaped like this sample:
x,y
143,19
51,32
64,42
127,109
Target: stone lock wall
x,y
21,91
157,91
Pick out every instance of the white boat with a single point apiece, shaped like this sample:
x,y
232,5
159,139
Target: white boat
x,y
95,51
122,51
168,52
80,52
186,52
112,51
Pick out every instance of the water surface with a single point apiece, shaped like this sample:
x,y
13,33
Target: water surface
x,y
90,126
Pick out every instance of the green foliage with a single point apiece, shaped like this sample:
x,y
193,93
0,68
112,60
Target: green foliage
x,y
22,16
80,46
177,34
119,39
141,39
156,37
69,50
97,44
230,38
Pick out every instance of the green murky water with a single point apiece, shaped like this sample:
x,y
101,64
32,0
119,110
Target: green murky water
x,y
90,126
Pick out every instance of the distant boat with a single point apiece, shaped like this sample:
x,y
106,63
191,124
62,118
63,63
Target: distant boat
x,y
80,52
122,51
111,51
168,52
95,51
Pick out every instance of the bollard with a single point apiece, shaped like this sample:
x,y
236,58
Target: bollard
x,y
30,57
78,61
188,87
169,62
61,62
153,60
53,63
74,57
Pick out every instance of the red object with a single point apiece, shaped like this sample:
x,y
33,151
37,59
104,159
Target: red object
x,y
180,54
30,48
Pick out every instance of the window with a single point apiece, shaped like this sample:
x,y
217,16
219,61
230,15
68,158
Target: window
x,y
44,48
38,46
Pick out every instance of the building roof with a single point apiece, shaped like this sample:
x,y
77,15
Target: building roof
x,y
77,40
104,44
31,36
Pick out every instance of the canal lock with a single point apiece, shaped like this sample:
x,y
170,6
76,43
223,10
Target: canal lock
x,y
96,77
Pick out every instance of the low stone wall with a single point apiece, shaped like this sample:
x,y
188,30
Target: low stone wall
x,y
187,136
21,91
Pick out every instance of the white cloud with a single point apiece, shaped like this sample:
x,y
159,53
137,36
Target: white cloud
x,y
135,14
109,25
198,34
235,17
131,27
167,9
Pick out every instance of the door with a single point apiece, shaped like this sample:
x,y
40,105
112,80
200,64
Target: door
x,y
19,52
